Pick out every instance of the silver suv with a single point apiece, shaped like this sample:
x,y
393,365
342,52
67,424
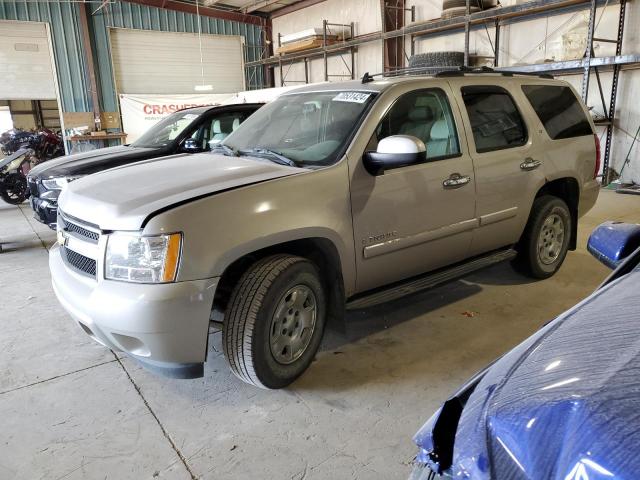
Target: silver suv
x,y
340,194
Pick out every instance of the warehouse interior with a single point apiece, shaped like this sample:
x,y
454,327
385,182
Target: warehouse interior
x,y
99,74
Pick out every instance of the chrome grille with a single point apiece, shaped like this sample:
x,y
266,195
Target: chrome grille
x,y
78,230
79,262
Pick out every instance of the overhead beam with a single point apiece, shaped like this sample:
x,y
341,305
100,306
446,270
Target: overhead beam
x,y
575,66
294,7
257,5
205,11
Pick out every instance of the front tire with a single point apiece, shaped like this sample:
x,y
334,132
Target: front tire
x,y
275,321
14,189
545,241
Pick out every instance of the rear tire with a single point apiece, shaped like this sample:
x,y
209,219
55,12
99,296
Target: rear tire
x,y
275,321
545,241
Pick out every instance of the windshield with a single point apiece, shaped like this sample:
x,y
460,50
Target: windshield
x,y
166,130
309,129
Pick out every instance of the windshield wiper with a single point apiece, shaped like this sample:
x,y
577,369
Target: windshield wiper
x,y
276,157
227,150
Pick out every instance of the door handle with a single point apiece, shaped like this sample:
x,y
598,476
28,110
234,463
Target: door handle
x,y
530,164
456,180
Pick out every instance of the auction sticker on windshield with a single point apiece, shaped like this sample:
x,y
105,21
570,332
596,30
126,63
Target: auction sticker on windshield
x,y
353,97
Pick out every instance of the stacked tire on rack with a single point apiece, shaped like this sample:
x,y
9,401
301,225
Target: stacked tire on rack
x,y
457,8
434,62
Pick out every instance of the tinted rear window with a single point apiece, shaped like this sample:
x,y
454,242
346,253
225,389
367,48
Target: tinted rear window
x,y
495,120
559,110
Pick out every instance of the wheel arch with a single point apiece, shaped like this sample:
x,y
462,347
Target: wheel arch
x,y
567,189
320,250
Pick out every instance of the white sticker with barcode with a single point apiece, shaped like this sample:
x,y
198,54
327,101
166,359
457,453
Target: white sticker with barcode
x,y
353,97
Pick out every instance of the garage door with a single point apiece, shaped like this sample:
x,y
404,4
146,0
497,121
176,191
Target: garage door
x,y
26,69
147,62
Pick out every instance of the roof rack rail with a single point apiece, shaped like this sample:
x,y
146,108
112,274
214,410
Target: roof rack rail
x,y
461,71
366,78
439,71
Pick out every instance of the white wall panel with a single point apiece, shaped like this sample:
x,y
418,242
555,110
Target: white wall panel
x,y
25,61
149,62
364,13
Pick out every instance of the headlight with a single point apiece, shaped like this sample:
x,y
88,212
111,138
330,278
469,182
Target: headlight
x,y
57,183
135,258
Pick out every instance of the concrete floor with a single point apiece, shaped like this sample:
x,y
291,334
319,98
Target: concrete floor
x,y
71,409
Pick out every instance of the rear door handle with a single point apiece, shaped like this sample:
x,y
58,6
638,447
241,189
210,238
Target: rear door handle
x,y
530,164
456,180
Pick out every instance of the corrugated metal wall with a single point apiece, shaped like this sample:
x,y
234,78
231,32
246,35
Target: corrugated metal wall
x,y
63,18
66,37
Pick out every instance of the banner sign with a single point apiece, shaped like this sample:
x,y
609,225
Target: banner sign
x,y
140,112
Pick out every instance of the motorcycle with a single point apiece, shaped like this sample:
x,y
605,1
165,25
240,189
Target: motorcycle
x,y
13,176
25,150
13,140
45,144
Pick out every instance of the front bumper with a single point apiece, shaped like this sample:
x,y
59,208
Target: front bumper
x,y
163,326
46,211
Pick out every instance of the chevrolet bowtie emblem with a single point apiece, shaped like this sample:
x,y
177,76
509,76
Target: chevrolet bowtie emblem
x,y
62,238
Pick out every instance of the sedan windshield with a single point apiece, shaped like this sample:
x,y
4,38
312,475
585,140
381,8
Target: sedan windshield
x,y
305,129
166,130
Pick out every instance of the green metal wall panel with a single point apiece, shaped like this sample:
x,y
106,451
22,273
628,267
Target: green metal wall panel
x,y
63,18
67,43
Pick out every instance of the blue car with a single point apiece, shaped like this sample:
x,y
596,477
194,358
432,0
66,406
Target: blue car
x,y
565,403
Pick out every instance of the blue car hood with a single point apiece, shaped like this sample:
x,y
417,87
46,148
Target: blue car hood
x,y
564,404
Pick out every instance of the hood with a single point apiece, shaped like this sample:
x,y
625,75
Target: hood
x,y
122,198
86,163
562,405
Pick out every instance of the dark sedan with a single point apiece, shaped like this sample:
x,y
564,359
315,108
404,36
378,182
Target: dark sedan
x,y
565,403
192,130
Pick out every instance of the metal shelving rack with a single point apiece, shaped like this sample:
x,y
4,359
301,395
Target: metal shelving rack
x,y
590,64
324,51
497,17
419,29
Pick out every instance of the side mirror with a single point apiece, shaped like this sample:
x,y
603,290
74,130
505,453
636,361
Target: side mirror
x,y
612,242
394,152
191,145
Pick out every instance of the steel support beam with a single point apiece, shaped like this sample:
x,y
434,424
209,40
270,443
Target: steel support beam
x,y
574,66
496,47
586,69
206,11
294,7
614,93
467,33
88,52
257,5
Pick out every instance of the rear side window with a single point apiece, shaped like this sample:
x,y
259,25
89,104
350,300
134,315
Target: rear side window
x,y
495,120
559,111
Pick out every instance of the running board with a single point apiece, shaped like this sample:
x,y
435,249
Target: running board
x,y
430,280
